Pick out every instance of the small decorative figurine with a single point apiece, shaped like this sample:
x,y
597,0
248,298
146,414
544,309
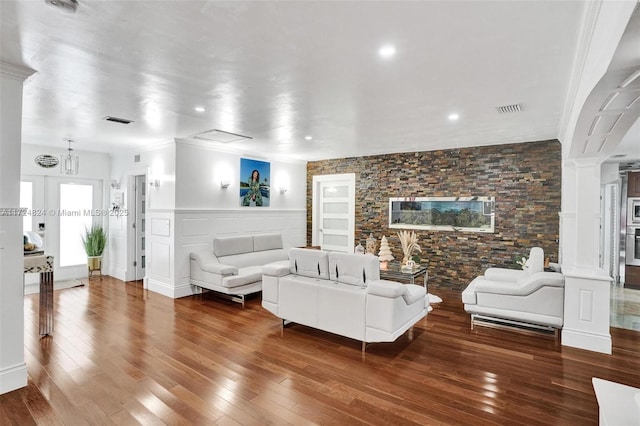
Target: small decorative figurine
x,y
371,244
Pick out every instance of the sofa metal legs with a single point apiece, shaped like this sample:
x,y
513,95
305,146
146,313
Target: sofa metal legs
x,y
488,321
238,298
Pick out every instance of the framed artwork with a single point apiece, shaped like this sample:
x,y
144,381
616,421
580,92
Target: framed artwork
x,y
255,183
475,214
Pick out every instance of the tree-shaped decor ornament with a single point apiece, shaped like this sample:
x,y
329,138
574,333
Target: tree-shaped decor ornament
x,y
384,254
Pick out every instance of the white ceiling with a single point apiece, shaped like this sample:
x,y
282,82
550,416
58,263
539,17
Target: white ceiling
x,y
279,71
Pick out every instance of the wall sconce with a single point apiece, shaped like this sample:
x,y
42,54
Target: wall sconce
x,y
155,183
283,190
224,184
115,184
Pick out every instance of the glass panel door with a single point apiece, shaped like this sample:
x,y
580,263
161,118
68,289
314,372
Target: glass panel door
x,y
76,214
334,212
71,205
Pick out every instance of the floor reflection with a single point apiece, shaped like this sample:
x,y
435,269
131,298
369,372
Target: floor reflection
x,y
625,308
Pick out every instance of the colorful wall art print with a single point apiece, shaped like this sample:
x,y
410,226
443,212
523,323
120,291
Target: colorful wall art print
x,y
255,183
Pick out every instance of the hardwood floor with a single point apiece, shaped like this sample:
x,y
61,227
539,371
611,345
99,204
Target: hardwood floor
x,y
122,355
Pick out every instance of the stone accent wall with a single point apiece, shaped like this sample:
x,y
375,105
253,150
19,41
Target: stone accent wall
x,y
524,178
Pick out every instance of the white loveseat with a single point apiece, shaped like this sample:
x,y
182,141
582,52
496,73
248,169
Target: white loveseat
x,y
234,267
341,293
529,297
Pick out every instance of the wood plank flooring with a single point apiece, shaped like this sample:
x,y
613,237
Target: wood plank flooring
x,y
122,355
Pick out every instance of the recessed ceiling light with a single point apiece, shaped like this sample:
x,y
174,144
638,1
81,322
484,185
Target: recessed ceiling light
x,y
308,137
453,117
199,109
387,51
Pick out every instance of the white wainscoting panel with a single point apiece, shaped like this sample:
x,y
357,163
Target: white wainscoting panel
x,y
160,227
586,310
292,224
586,305
194,227
161,259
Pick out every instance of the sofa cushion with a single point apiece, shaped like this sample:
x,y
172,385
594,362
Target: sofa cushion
x,y
535,263
503,274
414,293
248,275
254,258
386,288
237,244
353,269
309,263
267,242
276,269
207,262
469,293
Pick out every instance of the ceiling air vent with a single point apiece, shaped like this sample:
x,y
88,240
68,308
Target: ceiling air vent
x,y
136,158
118,120
509,108
217,135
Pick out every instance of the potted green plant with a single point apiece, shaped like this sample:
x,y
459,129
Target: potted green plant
x,y
94,241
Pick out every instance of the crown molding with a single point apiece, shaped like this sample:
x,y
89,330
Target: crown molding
x,y
15,72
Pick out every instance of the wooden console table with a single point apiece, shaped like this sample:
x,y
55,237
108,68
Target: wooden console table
x,y
43,264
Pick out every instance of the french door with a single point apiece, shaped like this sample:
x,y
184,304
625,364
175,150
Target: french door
x,y
333,217
72,205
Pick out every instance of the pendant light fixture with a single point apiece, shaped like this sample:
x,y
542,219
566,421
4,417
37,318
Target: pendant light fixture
x,y
69,164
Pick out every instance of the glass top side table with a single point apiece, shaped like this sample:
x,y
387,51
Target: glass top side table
x,y
394,273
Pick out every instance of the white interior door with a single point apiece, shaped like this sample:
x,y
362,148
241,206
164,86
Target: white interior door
x,y
139,226
333,217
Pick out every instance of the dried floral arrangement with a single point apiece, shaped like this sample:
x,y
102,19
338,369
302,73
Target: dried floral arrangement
x,y
409,243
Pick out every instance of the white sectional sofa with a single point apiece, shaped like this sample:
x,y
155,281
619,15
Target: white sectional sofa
x,y
530,297
234,267
341,293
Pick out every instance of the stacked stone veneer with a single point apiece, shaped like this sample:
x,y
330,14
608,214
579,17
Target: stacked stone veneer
x,y
524,178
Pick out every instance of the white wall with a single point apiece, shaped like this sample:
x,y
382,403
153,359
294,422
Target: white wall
x,y
188,209
13,369
202,169
93,166
203,210
157,163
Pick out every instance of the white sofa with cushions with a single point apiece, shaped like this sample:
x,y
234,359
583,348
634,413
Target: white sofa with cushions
x,y
341,293
234,267
528,297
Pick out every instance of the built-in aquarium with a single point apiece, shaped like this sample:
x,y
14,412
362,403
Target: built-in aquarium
x,y
475,214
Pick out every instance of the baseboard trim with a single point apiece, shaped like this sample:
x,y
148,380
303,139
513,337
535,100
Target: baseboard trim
x,y
12,378
174,292
588,341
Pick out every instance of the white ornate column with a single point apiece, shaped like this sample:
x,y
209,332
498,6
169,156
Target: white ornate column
x,y
587,286
13,370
